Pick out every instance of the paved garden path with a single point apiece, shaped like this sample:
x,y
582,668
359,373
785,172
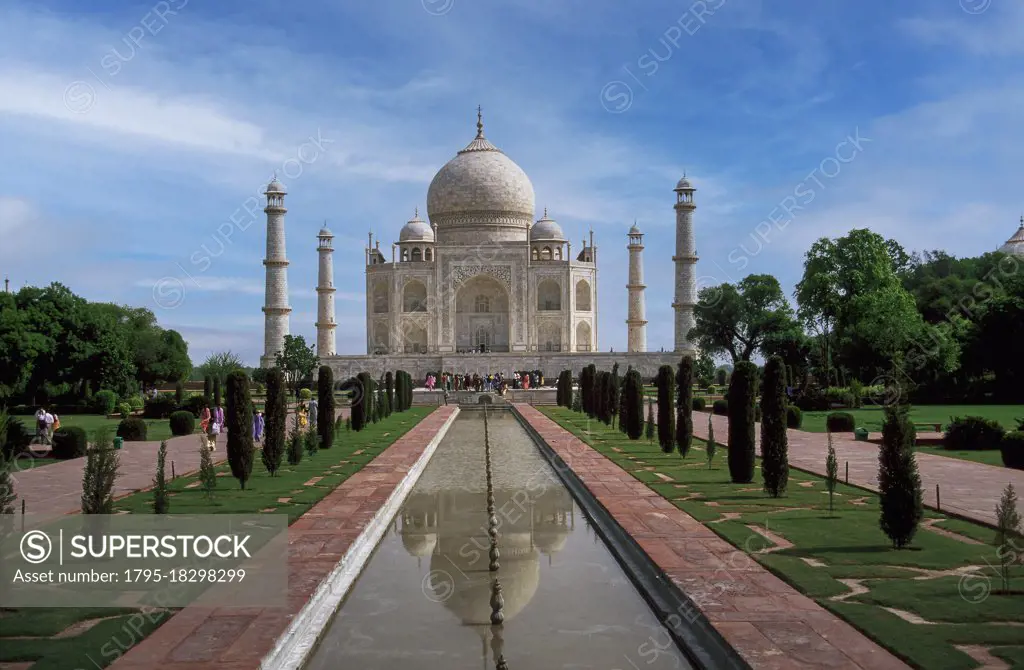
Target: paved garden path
x,y
766,620
966,488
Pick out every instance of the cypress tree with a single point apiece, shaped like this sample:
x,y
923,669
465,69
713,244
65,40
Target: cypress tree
x,y
650,421
208,390
899,484
684,406
633,405
295,445
179,393
600,394
207,473
161,501
585,387
325,409
831,471
276,417
774,444
361,401
742,389
218,398
101,466
408,390
238,417
622,408
666,409
389,387
710,444
614,384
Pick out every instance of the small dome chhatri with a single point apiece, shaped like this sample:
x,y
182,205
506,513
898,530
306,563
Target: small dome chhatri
x,y
276,187
546,230
683,184
416,230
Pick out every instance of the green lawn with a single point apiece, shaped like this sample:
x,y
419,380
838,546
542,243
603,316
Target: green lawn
x,y
986,456
846,544
156,429
872,417
35,627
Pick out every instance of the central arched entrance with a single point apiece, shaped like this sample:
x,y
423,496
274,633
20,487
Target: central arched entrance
x,y
482,316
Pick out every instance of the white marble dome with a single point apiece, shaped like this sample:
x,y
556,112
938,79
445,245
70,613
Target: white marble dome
x,y
683,183
1015,245
546,230
276,187
416,230
483,193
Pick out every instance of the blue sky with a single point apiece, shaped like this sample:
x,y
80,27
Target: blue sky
x,y
134,138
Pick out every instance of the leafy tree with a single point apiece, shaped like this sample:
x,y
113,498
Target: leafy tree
x,y
742,391
684,406
774,442
325,412
276,417
704,370
297,360
161,501
1008,530
207,471
101,469
238,417
710,444
666,408
899,484
7,495
736,320
220,364
831,471
633,404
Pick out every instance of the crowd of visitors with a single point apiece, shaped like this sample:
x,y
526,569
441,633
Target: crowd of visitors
x,y
46,423
497,382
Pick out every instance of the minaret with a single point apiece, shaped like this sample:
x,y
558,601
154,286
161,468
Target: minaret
x,y
636,322
686,265
325,323
275,309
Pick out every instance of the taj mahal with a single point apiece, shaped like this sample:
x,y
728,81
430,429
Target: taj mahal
x,y
481,285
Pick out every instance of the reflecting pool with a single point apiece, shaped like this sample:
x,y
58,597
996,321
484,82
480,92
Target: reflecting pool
x,y
424,598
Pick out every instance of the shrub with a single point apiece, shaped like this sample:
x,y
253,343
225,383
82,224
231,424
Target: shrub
x,y
774,445
312,442
742,391
699,404
70,442
305,395
972,432
720,407
899,484
195,405
125,410
136,402
238,417
160,407
812,400
182,423
15,438
132,429
841,396
840,422
712,390
794,417
295,445
207,472
100,473
104,402
1012,447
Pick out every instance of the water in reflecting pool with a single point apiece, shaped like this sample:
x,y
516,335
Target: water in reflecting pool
x,y
423,599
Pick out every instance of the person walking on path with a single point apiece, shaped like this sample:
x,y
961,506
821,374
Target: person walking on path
x,y
212,430
314,410
204,419
218,418
49,428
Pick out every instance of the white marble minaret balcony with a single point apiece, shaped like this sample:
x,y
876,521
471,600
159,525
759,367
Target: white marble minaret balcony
x,y
686,265
636,322
275,309
325,322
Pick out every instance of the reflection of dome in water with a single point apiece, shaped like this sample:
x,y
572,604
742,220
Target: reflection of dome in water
x,y
419,544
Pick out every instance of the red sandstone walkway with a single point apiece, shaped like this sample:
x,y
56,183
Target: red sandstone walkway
x,y
55,489
237,639
966,488
767,621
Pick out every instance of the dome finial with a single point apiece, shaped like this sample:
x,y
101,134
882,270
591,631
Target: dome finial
x,y
479,122
545,212
416,212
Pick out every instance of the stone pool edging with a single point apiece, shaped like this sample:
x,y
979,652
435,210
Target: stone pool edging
x,y
293,649
769,622
699,640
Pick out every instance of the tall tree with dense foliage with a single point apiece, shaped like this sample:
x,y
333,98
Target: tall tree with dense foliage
x,y
588,378
276,417
389,388
238,417
361,401
297,360
899,484
665,382
736,320
218,396
325,411
684,405
208,390
742,392
633,404
161,501
7,495
774,442
220,364
704,370
614,389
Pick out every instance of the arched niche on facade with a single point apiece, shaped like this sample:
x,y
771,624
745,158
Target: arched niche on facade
x,y
583,342
482,315
549,296
549,337
415,339
381,301
380,338
414,297
417,254
583,295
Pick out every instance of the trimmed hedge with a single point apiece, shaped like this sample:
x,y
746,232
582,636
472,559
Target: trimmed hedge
x,y
840,422
1012,448
720,407
104,402
18,437
70,442
699,404
794,417
132,429
183,422
195,405
160,407
973,433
